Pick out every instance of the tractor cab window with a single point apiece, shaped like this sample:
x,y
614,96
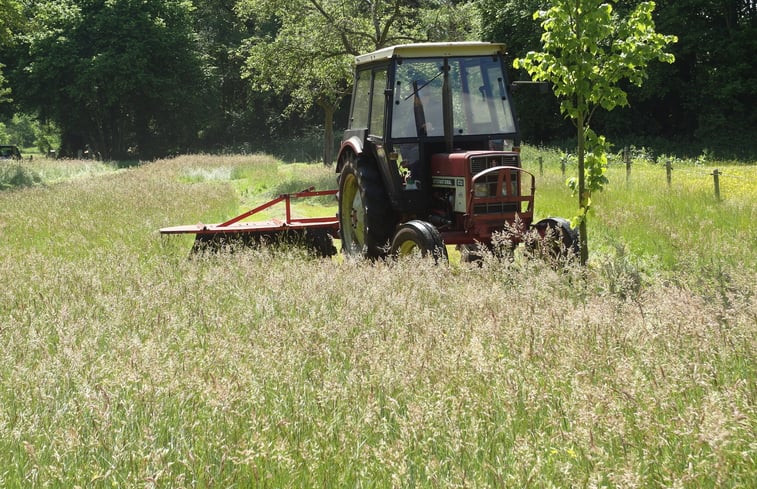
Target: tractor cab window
x,y
377,109
417,110
368,105
361,100
479,97
480,105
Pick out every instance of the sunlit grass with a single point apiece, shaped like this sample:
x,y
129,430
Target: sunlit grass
x,y
53,171
128,364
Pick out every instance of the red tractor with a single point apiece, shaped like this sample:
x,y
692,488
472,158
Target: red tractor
x,y
431,154
430,158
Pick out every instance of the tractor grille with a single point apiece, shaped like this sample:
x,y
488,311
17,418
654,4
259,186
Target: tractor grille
x,y
481,163
487,198
495,208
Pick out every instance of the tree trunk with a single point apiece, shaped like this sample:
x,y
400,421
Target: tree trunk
x,y
328,133
583,200
70,143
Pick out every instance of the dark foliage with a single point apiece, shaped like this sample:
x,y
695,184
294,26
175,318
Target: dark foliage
x,y
143,79
704,100
120,78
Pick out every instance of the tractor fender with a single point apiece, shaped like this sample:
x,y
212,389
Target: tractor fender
x,y
353,143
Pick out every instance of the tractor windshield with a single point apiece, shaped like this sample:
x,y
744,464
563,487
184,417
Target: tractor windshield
x,y
479,98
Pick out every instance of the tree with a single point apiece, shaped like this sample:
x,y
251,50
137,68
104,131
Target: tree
x,y
587,50
310,55
122,76
293,62
11,21
703,100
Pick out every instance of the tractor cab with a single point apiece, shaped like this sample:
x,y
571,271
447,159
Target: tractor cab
x,y
432,137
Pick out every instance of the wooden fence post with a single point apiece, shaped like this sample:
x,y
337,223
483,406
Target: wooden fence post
x,y
541,166
562,165
627,159
716,178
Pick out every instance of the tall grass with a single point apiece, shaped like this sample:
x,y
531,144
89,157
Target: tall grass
x,y
128,364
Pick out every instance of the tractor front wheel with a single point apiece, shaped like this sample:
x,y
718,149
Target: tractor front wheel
x,y
419,237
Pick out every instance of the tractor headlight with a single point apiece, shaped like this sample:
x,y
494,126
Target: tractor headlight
x,y
481,189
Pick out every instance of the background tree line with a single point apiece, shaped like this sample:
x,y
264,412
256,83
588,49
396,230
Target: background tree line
x,y
705,100
149,78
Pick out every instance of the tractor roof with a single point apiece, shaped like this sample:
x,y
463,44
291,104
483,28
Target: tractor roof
x,y
433,50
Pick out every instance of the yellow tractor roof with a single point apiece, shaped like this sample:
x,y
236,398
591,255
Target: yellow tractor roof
x,y
433,50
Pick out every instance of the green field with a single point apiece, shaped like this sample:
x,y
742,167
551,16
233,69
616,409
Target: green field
x,y
126,363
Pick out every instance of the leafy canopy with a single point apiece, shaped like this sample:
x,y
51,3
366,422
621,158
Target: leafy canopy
x,y
118,75
11,21
309,52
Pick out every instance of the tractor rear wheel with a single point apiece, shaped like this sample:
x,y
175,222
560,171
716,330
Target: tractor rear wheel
x,y
419,237
365,217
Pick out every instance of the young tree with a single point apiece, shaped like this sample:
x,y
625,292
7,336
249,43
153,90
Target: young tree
x,y
587,50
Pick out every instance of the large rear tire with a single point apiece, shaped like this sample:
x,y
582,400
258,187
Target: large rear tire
x,y
419,237
365,216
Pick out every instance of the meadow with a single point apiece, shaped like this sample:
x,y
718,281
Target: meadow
x,y
128,363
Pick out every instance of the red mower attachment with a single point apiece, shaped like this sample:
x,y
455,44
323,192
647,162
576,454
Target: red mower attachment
x,y
315,233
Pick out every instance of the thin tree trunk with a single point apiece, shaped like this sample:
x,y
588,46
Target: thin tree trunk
x,y
328,133
583,200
